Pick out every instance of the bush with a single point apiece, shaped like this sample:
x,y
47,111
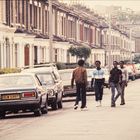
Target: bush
x,y
9,70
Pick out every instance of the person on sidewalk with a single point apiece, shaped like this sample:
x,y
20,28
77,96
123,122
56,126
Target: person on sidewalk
x,y
98,80
80,77
124,81
115,80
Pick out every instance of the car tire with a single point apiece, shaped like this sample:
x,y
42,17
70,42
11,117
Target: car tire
x,y
133,78
54,105
60,106
2,114
37,112
44,110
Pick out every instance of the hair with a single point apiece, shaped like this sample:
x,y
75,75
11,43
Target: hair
x,y
122,62
97,61
115,62
81,62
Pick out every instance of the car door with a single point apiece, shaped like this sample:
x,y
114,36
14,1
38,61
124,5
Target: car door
x,y
58,83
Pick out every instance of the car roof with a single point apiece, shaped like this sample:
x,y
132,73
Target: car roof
x,y
17,74
66,70
36,70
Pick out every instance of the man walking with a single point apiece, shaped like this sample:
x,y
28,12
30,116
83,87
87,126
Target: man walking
x,y
80,77
98,80
115,80
124,81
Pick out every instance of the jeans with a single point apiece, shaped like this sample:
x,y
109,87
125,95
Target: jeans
x,y
114,86
81,94
122,86
98,90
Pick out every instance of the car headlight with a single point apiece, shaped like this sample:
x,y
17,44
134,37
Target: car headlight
x,y
50,92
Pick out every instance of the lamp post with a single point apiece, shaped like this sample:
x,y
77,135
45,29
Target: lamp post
x,y
50,32
130,38
109,45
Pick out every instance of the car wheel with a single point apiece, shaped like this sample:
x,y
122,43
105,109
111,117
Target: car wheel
x,y
2,114
133,78
54,105
60,104
37,112
44,110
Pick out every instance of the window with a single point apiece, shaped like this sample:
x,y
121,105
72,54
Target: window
x,y
55,55
39,18
23,20
35,17
42,54
31,14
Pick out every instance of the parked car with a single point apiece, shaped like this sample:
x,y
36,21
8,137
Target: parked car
x,y
89,78
137,70
106,76
131,71
66,76
22,91
51,82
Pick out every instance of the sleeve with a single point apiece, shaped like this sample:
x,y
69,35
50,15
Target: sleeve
x,y
103,76
93,74
72,79
85,76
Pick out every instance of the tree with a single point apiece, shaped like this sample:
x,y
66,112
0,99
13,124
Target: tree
x,y
80,51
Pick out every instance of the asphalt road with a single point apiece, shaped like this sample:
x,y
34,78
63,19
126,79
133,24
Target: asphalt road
x,y
98,123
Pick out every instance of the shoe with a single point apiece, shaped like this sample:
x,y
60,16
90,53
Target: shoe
x,y
98,104
84,109
113,105
75,107
122,104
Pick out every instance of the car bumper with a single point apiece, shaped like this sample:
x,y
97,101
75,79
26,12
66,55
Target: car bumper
x,y
69,92
19,105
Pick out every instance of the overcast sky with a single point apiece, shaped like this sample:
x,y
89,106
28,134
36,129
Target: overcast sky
x,y
135,4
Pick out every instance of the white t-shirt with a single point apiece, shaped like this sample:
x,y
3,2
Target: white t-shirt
x,y
98,74
124,74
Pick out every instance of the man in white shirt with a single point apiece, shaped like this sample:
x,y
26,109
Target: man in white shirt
x,y
124,82
98,79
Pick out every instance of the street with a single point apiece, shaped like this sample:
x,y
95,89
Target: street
x,y
98,123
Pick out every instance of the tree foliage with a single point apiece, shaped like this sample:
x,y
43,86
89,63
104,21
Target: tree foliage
x,y
80,51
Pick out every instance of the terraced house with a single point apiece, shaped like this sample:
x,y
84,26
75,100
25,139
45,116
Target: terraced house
x,y
24,34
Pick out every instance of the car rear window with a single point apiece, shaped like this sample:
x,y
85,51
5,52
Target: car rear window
x,y
16,81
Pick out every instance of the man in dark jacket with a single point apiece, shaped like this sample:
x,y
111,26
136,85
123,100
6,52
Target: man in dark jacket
x,y
115,80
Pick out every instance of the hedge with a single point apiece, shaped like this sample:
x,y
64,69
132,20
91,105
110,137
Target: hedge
x,y
9,70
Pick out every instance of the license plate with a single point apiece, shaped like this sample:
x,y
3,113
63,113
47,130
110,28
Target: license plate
x,y
10,97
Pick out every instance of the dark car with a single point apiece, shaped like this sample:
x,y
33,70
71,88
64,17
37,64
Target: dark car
x,y
51,82
22,92
66,76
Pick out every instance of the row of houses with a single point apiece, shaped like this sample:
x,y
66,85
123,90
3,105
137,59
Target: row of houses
x,y
24,34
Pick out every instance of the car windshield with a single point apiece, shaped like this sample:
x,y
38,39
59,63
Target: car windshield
x,y
45,78
16,81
